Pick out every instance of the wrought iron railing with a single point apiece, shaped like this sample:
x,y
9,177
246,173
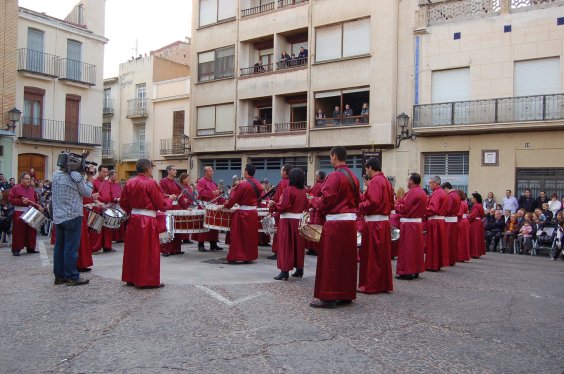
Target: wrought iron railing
x,y
41,129
77,71
173,146
257,69
342,121
37,62
211,132
283,3
137,108
108,149
257,9
260,129
291,126
134,151
108,106
490,111
293,63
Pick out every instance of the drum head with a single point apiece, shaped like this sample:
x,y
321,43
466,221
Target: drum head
x,y
312,232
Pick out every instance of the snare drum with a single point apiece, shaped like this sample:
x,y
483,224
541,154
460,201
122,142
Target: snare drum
x,y
218,219
165,223
94,220
113,218
262,213
188,221
34,218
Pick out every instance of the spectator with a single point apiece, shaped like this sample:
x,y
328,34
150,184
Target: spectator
x,y
302,56
509,234
320,118
510,202
257,123
520,217
559,240
293,61
495,230
347,113
547,213
526,201
541,200
525,238
337,116
364,113
507,215
259,67
554,205
285,59
489,202
32,174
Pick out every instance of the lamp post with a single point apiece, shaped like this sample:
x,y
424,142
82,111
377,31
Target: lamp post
x,y
14,115
402,129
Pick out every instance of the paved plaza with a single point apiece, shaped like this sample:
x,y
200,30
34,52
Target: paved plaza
x,y
498,314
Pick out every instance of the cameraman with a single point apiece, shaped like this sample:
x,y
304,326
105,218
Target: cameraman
x,y
67,192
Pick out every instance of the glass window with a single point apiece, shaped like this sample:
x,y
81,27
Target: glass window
x,y
212,11
343,40
215,119
216,64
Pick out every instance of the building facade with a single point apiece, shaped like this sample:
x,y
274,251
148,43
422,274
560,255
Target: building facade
x,y
58,86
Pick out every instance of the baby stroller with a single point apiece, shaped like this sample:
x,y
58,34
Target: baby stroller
x,y
545,240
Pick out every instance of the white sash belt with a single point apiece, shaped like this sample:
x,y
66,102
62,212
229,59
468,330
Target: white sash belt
x,y
21,208
436,217
247,207
465,216
291,215
411,220
451,219
144,212
376,218
341,217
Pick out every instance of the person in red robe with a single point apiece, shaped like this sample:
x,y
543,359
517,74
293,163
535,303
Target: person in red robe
x,y
110,193
437,239
375,274
84,260
284,182
315,218
336,274
207,191
172,191
293,202
412,209
451,223
244,222
141,198
97,241
187,197
22,196
463,247
477,241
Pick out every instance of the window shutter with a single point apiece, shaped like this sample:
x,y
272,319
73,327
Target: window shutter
x,y
537,77
208,12
328,43
224,118
356,38
206,117
451,85
226,9
177,124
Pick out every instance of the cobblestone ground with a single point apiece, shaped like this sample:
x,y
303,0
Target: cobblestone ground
x,y
501,313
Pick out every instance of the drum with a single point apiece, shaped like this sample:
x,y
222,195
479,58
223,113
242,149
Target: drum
x,y
267,224
34,218
218,219
188,221
94,220
166,227
113,218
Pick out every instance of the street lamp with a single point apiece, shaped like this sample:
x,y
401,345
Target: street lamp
x,y
402,129
14,115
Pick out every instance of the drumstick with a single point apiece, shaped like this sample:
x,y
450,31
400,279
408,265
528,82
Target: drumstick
x,y
184,191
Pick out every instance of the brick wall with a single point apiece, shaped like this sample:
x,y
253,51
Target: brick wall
x,y
8,35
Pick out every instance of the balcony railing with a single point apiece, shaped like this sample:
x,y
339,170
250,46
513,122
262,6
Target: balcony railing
x,y
341,121
520,4
135,151
283,3
290,64
257,69
40,129
137,108
108,106
212,132
449,10
37,62
257,9
260,129
172,146
291,126
490,111
77,71
108,150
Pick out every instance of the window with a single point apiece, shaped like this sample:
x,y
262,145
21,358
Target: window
x,y
107,100
451,86
223,169
178,124
343,40
34,60
74,57
328,101
550,180
212,11
216,119
106,135
216,64
141,94
269,168
451,167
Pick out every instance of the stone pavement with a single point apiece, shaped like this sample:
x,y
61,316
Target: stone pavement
x,y
501,313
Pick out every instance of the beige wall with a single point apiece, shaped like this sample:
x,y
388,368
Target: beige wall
x,y
8,30
165,70
179,52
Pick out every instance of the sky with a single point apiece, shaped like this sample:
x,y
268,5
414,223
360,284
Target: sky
x,y
153,23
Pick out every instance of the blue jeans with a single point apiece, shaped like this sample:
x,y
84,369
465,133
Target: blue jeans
x,y
66,248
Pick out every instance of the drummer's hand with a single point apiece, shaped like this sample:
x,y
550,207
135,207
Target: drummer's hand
x,y
25,200
172,197
95,195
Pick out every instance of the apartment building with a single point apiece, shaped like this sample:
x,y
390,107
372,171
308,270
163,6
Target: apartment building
x,y
488,103
58,86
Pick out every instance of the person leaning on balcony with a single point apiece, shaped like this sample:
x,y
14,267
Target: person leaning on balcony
x,y
259,67
320,118
364,113
302,56
257,123
347,113
337,116
285,59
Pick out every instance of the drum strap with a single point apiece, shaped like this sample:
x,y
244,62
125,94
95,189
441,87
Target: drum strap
x,y
257,191
355,190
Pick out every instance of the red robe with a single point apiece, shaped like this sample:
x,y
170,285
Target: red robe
x,y
463,248
437,240
205,187
452,208
96,238
244,223
85,249
477,241
315,218
141,250
169,187
291,250
411,256
284,182
336,273
23,235
376,249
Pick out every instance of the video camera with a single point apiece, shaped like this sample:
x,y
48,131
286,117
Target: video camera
x,y
74,162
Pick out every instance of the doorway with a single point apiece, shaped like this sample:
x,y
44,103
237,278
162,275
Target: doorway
x,y
26,161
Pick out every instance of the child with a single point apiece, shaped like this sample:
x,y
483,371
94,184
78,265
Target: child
x,y
526,236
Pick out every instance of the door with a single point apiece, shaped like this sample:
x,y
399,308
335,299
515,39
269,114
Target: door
x,y
34,58
32,120
74,57
26,161
72,113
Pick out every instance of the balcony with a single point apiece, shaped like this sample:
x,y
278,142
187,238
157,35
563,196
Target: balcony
x,y
290,127
37,62
108,152
292,64
261,129
77,71
501,111
257,69
257,9
213,132
285,3
526,4
46,130
135,151
137,108
108,106
342,121
173,147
